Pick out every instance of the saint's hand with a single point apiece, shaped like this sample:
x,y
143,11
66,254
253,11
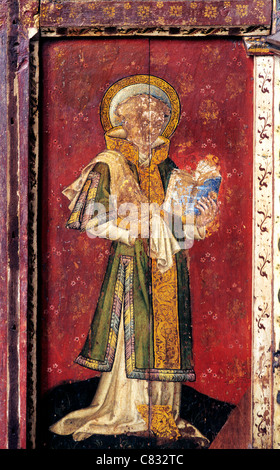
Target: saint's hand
x,y
208,210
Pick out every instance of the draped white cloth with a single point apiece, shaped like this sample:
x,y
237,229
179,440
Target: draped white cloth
x,y
125,191
163,245
114,406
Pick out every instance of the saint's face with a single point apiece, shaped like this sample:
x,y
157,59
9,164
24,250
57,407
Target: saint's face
x,y
143,121
144,130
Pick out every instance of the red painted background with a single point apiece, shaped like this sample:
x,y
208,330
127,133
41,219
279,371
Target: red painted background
x,y
214,79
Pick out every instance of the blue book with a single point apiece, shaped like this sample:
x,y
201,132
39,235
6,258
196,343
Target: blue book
x,y
210,187
185,189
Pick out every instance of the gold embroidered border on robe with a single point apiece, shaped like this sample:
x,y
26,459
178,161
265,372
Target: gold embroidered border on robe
x,y
164,287
166,333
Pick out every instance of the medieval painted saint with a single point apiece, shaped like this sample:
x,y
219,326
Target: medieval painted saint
x,y
140,338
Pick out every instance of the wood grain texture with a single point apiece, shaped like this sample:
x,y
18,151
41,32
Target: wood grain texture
x,y
14,129
236,433
156,13
19,21
3,244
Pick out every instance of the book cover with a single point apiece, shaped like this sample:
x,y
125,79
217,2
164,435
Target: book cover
x,y
185,189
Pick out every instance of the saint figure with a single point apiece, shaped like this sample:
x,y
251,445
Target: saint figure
x,y
140,338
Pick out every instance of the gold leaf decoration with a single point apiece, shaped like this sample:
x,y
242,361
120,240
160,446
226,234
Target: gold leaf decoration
x,y
235,84
160,419
208,111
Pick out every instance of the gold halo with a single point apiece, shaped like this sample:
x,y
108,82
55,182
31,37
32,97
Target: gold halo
x,y
156,82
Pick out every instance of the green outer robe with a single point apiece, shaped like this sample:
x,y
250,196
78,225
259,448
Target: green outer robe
x,y
127,279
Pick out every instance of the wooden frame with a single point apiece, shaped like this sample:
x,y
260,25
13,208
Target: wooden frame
x,y
22,27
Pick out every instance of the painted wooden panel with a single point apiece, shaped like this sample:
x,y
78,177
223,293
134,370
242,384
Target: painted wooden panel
x,y
19,22
213,120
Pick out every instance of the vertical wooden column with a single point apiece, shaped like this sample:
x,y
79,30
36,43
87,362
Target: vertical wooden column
x,y
276,258
4,229
14,336
262,320
276,237
18,20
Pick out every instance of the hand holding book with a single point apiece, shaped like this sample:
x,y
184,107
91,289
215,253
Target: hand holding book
x,y
194,195
208,208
